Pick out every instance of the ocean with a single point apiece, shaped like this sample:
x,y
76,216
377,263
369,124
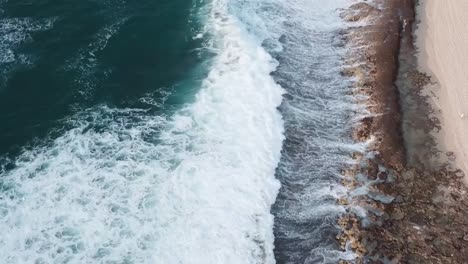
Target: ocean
x,y
204,131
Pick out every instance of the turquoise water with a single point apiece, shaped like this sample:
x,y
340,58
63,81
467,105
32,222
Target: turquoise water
x,y
172,131
70,55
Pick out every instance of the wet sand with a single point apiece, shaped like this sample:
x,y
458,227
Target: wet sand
x,y
442,41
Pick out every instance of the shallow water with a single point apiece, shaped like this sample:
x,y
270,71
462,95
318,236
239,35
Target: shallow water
x,y
318,114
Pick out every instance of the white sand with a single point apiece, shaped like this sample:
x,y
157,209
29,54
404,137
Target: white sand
x,y
442,38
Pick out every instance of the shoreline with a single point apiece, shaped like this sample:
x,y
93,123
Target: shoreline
x,y
415,204
441,41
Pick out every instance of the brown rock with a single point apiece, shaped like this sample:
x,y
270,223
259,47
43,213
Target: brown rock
x,y
397,214
414,258
442,246
358,12
465,237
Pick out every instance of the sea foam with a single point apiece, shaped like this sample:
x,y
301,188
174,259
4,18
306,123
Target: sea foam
x,y
15,32
124,186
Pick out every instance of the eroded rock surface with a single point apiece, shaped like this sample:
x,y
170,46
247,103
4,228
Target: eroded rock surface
x,y
416,210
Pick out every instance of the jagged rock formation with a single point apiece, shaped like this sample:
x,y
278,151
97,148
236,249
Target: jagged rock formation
x,y
416,210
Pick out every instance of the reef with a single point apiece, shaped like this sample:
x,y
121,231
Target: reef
x,y
404,206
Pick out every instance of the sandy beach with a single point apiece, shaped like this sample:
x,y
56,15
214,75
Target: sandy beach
x,y
442,41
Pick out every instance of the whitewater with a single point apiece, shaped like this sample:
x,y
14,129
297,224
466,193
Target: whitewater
x,y
200,184
123,186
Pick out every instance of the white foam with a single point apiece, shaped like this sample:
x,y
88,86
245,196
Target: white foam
x,y
15,32
319,112
104,192
86,63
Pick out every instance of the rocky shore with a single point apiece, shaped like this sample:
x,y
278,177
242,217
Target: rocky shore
x,y
404,206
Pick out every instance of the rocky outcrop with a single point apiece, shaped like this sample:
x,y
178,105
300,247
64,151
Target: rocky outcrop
x,y
359,11
415,211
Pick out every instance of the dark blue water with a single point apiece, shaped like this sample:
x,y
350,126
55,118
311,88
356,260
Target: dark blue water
x,y
70,55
